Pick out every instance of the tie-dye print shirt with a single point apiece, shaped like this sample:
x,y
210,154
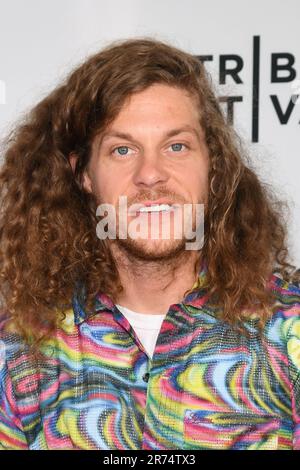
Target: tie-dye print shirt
x,y
206,386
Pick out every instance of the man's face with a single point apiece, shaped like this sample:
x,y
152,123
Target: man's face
x,y
153,150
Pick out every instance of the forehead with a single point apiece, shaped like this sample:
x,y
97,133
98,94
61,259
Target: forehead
x,y
161,106
162,96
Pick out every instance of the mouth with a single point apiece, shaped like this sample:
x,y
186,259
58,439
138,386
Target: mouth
x,y
157,208
151,207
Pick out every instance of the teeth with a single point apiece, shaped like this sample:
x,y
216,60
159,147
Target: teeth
x,y
156,208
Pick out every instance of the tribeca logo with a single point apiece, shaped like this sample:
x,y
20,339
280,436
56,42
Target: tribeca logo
x,y
2,92
176,216
282,70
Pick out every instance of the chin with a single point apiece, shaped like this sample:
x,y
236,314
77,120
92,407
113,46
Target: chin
x,y
152,250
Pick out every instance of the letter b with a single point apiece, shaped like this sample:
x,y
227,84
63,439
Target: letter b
x,y
287,67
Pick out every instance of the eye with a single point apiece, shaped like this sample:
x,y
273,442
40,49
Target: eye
x,y
177,147
121,150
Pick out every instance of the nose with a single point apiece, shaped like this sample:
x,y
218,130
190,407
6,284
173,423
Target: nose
x,y
150,170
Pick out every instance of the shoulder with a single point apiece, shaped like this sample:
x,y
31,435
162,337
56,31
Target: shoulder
x,y
287,300
285,292
15,356
284,325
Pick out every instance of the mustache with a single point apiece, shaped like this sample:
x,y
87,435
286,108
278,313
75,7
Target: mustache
x,y
153,196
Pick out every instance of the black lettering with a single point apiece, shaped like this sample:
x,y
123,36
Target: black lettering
x,y
287,67
230,100
282,116
204,58
233,71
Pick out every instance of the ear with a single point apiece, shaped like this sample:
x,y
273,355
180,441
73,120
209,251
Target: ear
x,y
87,183
73,159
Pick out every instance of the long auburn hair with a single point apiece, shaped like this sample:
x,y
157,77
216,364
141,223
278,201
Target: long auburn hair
x,y
48,241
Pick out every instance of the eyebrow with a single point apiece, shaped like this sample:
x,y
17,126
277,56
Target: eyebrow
x,y
170,133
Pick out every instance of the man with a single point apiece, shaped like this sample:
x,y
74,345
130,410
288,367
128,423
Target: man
x,y
111,340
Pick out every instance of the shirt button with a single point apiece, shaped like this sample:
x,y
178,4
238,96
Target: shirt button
x,y
146,377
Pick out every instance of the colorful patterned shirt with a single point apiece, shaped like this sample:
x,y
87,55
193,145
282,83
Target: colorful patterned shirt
x,y
206,386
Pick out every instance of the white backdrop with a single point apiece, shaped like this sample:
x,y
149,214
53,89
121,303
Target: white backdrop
x,y
41,40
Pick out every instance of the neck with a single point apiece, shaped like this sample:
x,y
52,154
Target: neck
x,y
152,286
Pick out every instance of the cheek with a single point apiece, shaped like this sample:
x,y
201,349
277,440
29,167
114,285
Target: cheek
x,y
100,181
202,177
108,185
104,190
195,180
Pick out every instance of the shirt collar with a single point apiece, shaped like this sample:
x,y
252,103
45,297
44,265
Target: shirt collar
x,y
196,298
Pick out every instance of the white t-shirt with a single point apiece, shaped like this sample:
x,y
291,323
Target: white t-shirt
x,y
146,326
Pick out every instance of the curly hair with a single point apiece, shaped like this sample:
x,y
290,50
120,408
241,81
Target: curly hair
x,y
48,241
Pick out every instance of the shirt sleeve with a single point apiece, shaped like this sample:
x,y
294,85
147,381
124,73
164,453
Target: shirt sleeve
x,y
12,436
293,349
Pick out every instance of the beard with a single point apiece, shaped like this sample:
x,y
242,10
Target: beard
x,y
156,237
152,250
162,240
